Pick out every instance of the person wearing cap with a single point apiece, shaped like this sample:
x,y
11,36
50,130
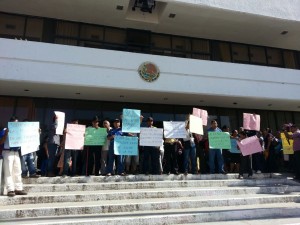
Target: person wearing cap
x,y
116,131
93,154
151,153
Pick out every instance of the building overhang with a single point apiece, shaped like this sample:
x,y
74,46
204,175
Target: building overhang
x,y
36,69
202,19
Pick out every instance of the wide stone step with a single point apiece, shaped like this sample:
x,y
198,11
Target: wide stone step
x,y
81,196
64,185
141,177
133,205
264,221
174,216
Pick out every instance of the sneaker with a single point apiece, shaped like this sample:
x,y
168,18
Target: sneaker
x,y
11,194
240,177
258,171
34,176
20,192
24,176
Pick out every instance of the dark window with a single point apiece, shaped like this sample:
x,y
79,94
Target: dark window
x,y
221,51
240,53
275,57
257,55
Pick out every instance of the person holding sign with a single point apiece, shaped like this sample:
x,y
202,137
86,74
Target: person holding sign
x,y
234,153
215,153
53,146
116,131
105,148
151,152
296,147
70,155
94,153
189,152
12,166
245,160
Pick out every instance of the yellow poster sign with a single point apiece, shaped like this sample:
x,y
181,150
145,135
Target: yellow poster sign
x,y
287,144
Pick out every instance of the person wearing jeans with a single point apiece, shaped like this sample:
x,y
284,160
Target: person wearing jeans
x,y
116,131
189,152
215,153
27,165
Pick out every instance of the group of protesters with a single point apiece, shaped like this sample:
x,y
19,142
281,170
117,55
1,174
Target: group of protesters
x,y
191,154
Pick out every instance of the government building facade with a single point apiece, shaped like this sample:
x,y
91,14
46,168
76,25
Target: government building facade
x,y
164,57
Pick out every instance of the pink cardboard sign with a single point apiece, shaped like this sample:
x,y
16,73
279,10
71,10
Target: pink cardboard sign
x,y
202,114
75,137
251,121
250,145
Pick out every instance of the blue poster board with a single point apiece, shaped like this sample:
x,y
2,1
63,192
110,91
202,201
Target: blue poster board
x,y
124,145
131,121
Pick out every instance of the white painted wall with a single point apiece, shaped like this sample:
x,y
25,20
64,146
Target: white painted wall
x,y
283,9
77,66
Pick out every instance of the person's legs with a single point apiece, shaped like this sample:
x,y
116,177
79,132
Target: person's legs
x,y
52,150
212,153
121,164
74,154
8,160
193,160
97,154
24,166
67,154
16,172
110,161
146,159
30,164
186,159
104,154
220,161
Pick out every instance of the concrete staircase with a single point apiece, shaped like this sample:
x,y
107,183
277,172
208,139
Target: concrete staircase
x,y
140,199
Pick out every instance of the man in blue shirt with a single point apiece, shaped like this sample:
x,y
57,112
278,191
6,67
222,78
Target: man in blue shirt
x,y
215,153
116,131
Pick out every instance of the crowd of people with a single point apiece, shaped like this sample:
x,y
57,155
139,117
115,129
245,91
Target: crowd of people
x,y
185,155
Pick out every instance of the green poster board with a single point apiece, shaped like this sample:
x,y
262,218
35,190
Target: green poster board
x,y
95,136
219,140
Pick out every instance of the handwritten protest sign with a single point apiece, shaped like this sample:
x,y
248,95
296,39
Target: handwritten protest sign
x,y
202,114
174,129
75,137
60,122
250,145
219,140
25,135
287,144
234,148
151,136
251,121
196,125
95,136
124,145
131,120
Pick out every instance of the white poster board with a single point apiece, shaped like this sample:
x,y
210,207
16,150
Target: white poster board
x,y
60,122
25,135
151,136
174,129
196,125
